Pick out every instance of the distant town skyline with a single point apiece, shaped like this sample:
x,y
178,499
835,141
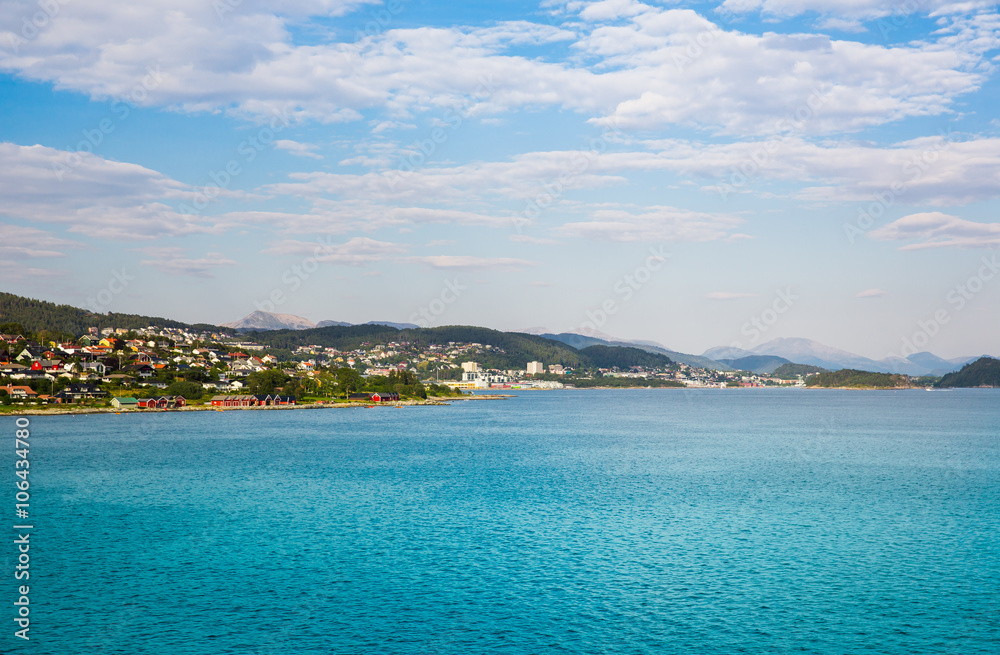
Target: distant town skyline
x,y
698,174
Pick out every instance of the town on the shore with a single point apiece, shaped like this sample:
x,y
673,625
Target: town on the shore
x,y
164,368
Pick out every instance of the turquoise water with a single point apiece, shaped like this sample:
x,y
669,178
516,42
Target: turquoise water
x,y
660,521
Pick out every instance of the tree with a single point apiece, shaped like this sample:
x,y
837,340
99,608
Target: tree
x,y
348,380
265,382
293,388
190,390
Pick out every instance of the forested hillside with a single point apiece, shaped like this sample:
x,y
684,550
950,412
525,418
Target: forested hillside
x,y
518,348
37,315
984,372
858,379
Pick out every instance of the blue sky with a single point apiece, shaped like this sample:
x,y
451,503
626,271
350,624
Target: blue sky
x,y
678,172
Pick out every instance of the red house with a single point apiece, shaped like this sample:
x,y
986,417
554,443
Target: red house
x,y
163,402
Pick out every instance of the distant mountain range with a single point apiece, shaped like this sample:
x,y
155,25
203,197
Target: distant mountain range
x,y
580,341
806,351
270,321
760,364
263,321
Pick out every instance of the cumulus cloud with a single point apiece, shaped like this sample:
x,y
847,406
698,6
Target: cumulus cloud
x,y
90,194
870,293
297,149
938,230
636,67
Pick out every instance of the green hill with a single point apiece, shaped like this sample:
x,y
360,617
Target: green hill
x,y
855,379
518,349
793,371
37,315
759,364
984,372
622,357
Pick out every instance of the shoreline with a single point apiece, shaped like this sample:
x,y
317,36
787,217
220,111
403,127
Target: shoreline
x,y
430,402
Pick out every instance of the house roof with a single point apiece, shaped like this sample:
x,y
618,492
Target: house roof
x,y
28,391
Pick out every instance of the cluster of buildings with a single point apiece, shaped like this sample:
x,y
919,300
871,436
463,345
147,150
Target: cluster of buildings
x,y
265,400
151,357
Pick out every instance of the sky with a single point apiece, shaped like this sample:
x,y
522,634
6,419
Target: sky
x,y
697,174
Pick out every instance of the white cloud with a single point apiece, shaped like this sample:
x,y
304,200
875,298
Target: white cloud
x,y
469,262
677,67
844,25
297,149
93,195
537,241
14,271
938,230
654,223
355,252
854,9
940,170
20,242
640,72
871,293
174,261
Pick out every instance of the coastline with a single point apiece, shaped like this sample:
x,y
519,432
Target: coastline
x,y
76,411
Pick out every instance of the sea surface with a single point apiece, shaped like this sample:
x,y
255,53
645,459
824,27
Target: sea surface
x,y
590,521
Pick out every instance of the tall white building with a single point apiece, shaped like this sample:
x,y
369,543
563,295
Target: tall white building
x,y
535,367
470,367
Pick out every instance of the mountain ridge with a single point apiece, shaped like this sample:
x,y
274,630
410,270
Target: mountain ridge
x,y
814,353
264,321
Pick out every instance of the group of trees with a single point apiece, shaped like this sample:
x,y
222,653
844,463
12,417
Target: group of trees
x,y
984,372
793,371
338,383
858,379
38,315
405,383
